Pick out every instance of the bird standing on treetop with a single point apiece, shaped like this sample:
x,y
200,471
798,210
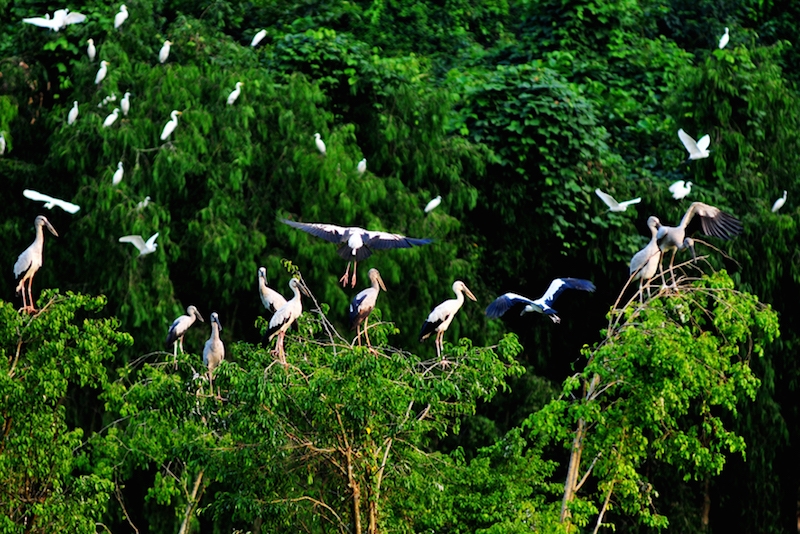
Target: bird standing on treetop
x,y
363,304
29,262
271,299
235,93
723,41
73,113
442,315
91,51
125,103
541,305
111,118
163,54
284,317
320,144
644,264
214,350
179,327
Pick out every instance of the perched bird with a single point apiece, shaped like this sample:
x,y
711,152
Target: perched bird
x,y
258,37
541,305
433,204
779,203
163,54
713,222
179,327
356,243
125,103
362,166
284,317
111,118
363,304
110,98
612,204
644,264
117,178
680,189
61,19
235,93
138,242
29,262
697,150
171,124
91,51
73,113
143,204
120,17
214,351
320,144
49,201
101,72
271,299
723,41
442,315
2,144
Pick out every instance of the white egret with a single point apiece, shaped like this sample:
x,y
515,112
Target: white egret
x,y
541,305
49,201
29,262
442,315
179,327
110,98
91,51
171,124
433,204
284,317
2,144
779,203
143,204
125,103
235,93
258,37
362,166
120,17
61,19
102,71
144,248
723,41
73,113
611,202
111,118
363,304
697,150
320,144
163,54
356,243
117,178
680,189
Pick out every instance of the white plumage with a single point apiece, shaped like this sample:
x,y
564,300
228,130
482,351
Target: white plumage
x,y
171,125
101,72
284,317
433,204
723,41
111,118
120,17
235,93
543,304
271,299
214,350
73,113
2,144
144,247
61,19
118,174
442,315
91,51
163,54
362,166
697,149
30,261
611,202
779,203
644,263
50,202
680,189
179,327
320,144
125,103
258,37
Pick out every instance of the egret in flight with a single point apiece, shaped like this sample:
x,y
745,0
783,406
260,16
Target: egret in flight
x,y
611,202
144,247
698,149
50,202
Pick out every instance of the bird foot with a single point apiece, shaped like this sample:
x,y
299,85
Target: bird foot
x,y
30,310
344,279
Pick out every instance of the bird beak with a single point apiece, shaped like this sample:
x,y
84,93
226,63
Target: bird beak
x,y
469,294
219,325
303,289
199,316
380,282
50,227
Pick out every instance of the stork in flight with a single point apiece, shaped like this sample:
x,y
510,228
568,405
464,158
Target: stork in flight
x,y
543,304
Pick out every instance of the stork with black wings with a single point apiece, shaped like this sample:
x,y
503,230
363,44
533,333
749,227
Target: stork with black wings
x,y
543,304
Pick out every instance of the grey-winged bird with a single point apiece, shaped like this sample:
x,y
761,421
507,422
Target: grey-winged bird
x,y
644,264
363,304
179,327
543,304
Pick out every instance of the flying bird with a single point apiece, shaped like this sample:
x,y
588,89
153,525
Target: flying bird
x,y
723,41
543,304
235,93
697,150
117,178
442,315
49,201
91,51
362,167
258,37
271,299
101,72
73,113
125,103
644,264
363,304
179,327
139,243
356,243
779,203
111,118
163,54
61,19
29,262
612,204
284,317
433,204
120,17
680,189
320,144
214,350
171,124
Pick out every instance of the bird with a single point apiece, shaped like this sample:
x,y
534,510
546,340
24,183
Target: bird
x,y
320,144
680,189
214,350
697,150
117,178
179,327
779,203
111,118
644,264
362,166
363,304
541,305
271,299
73,113
29,262
125,103
723,41
163,54
258,37
101,72
171,124
42,22
120,17
612,204
91,51
235,93
61,19
138,242
110,98
356,243
430,206
713,222
49,201
143,204
2,144
284,317
442,315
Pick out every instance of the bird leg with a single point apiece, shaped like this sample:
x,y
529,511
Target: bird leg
x,y
353,283
31,307
344,277
671,271
21,289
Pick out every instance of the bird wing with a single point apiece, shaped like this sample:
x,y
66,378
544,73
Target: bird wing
x,y
74,18
151,241
713,221
505,302
354,312
608,199
328,232
23,263
703,142
627,203
41,22
385,240
688,142
558,286
676,185
135,240
271,299
64,205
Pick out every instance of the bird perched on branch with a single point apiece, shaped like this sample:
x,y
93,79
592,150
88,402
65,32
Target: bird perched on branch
x,y
442,315
284,317
363,304
29,261
214,350
179,327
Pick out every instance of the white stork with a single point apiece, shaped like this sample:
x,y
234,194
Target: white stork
x,y
29,262
697,149
442,315
356,243
611,202
363,304
271,299
644,264
214,350
541,305
284,317
49,201
179,328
